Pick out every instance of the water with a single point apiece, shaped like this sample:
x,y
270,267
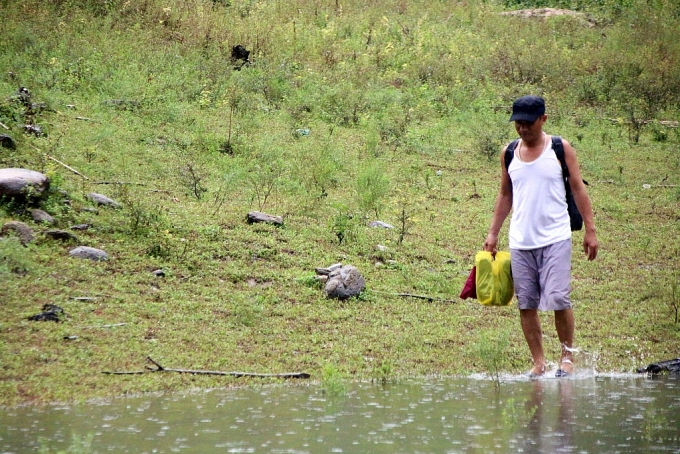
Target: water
x,y
595,414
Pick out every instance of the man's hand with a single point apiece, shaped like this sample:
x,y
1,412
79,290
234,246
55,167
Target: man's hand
x,y
491,243
590,245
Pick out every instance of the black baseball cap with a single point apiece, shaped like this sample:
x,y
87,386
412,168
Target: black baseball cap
x,y
528,108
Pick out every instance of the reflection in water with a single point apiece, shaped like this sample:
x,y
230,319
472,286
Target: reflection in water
x,y
543,434
450,415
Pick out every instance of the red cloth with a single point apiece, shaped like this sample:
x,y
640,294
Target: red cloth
x,y
470,287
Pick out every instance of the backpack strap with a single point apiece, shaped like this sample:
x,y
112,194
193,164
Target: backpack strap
x,y
510,153
558,147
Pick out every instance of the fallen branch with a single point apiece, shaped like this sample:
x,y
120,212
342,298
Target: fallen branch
x,y
119,182
160,368
86,119
3,125
66,166
422,297
649,186
103,326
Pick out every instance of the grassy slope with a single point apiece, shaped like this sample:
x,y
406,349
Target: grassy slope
x,y
381,87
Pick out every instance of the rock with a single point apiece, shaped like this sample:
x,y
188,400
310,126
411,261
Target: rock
x,y
158,273
256,216
22,183
329,270
23,231
344,282
61,235
671,365
80,227
89,253
34,129
51,313
41,216
7,142
380,224
100,199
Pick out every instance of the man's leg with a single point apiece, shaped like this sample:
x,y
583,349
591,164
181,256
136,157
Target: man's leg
x,y
564,324
531,326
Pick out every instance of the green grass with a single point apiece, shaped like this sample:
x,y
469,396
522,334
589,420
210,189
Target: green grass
x,y
406,107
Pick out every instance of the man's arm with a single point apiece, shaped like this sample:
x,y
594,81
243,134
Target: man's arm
x,y
578,188
501,209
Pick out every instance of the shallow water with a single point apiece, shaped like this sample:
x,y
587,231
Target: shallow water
x,y
594,414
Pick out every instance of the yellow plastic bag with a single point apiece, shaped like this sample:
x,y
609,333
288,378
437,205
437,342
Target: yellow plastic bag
x,y
494,278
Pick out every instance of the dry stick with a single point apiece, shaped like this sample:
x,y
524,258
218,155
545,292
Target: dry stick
x,y
119,182
104,326
3,125
160,368
422,297
67,166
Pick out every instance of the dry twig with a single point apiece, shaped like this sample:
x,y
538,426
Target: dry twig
x,y
160,368
66,166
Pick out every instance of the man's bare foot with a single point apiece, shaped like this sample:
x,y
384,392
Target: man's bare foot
x,y
536,371
566,368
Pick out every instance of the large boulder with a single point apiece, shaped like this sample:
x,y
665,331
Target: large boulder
x,y
344,282
22,183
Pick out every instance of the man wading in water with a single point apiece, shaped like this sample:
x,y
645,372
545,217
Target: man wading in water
x,y
540,232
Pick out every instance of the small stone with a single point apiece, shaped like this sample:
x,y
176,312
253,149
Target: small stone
x,y
61,235
41,216
80,227
7,142
380,224
345,282
101,199
256,216
158,273
23,231
89,253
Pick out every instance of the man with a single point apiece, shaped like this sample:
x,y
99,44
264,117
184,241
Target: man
x,y
540,232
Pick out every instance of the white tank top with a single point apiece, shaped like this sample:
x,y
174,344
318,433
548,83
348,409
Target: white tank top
x,y
539,207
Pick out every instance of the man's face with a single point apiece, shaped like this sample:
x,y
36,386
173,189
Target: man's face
x,y
530,131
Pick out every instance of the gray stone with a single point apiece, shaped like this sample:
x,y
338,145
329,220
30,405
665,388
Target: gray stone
x,y
89,253
100,199
41,216
7,142
329,270
80,227
22,183
256,216
61,235
20,229
380,224
344,282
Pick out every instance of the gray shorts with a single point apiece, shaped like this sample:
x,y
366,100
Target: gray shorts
x,y
542,277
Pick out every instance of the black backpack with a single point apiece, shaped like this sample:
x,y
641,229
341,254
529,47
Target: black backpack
x,y
575,217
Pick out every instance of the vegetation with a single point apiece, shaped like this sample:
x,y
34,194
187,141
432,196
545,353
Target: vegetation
x,y
346,111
